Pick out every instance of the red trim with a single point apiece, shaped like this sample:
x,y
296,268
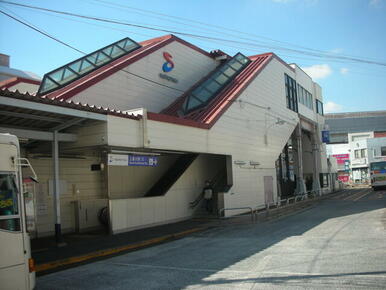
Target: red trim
x,y
149,46
16,80
208,116
275,56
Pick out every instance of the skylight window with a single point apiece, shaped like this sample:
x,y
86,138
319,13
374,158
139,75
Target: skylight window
x,y
207,90
66,74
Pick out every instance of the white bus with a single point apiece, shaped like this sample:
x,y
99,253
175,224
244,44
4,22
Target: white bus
x,y
16,265
378,174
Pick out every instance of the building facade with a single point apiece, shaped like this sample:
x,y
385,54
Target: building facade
x,y
139,127
354,137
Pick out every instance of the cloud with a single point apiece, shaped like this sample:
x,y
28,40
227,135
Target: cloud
x,y
344,70
336,50
374,2
331,107
318,71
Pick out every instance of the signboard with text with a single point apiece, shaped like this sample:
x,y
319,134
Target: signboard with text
x,y
132,160
326,136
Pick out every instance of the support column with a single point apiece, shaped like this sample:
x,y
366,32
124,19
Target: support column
x,y
56,187
316,157
300,184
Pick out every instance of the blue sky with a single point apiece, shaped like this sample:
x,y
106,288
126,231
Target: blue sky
x,y
345,27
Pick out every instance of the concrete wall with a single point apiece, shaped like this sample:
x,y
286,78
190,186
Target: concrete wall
x,y
123,91
135,181
131,213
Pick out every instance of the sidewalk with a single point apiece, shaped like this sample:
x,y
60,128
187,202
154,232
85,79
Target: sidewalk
x,y
92,246
87,247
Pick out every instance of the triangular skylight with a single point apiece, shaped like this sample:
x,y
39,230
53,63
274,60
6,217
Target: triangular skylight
x,y
66,74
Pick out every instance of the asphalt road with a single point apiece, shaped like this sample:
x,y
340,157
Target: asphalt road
x,y
340,243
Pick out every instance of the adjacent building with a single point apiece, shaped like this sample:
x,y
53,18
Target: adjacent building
x,y
355,139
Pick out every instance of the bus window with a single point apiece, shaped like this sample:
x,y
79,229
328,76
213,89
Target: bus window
x,y
378,166
9,212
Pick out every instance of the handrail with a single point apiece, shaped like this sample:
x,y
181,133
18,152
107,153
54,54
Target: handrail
x,y
195,202
221,210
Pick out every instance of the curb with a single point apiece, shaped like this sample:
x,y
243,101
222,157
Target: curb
x,y
108,252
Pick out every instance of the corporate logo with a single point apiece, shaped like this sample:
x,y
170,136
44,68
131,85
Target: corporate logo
x,y
169,64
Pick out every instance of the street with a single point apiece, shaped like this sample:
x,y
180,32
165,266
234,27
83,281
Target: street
x,y
339,242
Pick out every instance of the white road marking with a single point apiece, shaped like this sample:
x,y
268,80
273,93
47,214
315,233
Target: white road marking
x,y
366,193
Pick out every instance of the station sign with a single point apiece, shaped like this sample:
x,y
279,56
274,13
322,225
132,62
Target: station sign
x,y
132,160
326,136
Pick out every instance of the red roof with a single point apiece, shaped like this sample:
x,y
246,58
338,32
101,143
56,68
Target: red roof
x,y
17,80
207,116
66,104
103,72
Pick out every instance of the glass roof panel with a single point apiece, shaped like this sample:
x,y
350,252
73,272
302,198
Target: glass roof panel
x,y
48,84
208,89
66,74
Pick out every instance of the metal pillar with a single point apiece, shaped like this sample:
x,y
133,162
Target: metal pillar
x,y
316,157
300,184
56,187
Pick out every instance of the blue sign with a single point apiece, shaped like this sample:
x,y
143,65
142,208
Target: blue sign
x,y
141,160
326,136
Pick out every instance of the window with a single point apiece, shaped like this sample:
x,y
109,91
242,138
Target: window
x,y
363,153
383,151
291,93
356,152
319,107
323,179
305,97
9,211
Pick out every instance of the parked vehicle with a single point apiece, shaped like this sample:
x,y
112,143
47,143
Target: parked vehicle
x,y
378,174
16,265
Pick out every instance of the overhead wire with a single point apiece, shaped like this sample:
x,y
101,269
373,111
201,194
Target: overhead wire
x,y
328,56
80,51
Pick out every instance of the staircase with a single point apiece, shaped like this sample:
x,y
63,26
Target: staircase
x,y
175,171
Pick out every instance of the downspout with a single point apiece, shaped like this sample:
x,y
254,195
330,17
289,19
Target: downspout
x,y
300,185
145,139
315,150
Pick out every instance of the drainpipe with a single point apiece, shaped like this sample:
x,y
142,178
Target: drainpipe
x,y
316,157
144,128
300,185
56,187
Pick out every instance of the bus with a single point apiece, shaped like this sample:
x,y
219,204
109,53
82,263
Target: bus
x,y
378,174
16,265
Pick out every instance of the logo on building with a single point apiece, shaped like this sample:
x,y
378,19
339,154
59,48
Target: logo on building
x,y
169,64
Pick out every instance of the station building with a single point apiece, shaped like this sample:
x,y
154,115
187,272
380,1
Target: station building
x,y
139,127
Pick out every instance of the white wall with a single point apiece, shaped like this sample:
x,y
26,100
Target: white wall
x,y
123,91
131,213
79,183
240,133
374,146
135,181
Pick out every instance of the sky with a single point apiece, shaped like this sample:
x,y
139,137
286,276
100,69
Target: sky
x,y
293,29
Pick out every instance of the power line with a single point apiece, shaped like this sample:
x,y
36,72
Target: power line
x,y
325,55
74,48
42,32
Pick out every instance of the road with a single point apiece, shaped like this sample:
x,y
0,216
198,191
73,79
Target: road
x,y
340,243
